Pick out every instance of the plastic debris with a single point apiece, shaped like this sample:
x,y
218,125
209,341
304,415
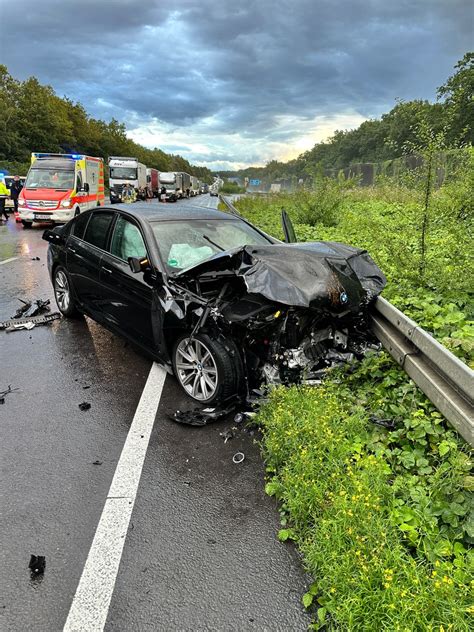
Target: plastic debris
x,y
200,416
227,435
6,392
37,564
238,457
33,308
15,324
84,406
97,462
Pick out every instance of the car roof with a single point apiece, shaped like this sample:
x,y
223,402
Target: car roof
x,y
157,211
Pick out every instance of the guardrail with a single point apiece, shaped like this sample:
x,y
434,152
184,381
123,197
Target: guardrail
x,y
444,379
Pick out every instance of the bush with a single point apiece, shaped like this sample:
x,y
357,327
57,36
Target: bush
x,y
382,518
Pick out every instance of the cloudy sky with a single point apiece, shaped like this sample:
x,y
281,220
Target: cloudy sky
x,y
229,84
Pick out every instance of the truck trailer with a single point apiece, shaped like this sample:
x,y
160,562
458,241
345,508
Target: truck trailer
x,y
60,186
173,183
126,170
152,182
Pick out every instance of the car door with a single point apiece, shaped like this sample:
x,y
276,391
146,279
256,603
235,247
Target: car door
x,y
84,249
127,298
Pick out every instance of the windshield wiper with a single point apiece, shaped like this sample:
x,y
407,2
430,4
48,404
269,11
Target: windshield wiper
x,y
214,243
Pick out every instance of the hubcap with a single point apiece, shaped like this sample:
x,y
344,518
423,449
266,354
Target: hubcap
x,y
61,291
196,369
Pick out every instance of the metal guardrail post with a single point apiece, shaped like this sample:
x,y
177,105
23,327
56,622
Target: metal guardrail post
x,y
445,380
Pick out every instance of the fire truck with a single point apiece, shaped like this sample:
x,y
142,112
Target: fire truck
x,y
60,186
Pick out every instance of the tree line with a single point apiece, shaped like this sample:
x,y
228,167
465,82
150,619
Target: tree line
x,y
393,135
34,118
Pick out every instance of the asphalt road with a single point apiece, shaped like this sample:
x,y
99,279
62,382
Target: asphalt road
x,y
201,551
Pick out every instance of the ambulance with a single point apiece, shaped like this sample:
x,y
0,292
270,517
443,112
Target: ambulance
x,y
60,186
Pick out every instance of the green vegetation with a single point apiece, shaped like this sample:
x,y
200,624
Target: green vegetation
x,y
387,138
34,118
231,187
384,517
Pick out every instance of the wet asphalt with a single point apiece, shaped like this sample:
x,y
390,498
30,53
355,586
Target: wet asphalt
x,y
201,551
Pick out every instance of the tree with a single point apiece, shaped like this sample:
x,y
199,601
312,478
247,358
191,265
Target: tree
x,y
458,93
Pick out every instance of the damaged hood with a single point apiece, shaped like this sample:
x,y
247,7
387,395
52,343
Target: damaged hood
x,y
323,275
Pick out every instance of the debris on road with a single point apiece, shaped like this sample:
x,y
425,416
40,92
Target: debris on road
x,y
227,435
201,416
84,406
28,323
6,392
32,308
97,463
37,564
238,457
35,259
30,314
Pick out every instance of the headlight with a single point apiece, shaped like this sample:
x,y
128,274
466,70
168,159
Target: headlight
x,y
66,203
21,202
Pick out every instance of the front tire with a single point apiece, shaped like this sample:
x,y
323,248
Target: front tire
x,y
63,293
26,224
208,370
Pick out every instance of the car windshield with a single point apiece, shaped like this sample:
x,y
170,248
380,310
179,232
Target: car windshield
x,y
123,173
184,244
50,179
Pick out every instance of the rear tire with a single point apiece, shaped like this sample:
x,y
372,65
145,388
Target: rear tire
x,y
63,293
208,370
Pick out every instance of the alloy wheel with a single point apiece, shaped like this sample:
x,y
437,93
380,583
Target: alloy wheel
x,y
62,291
196,369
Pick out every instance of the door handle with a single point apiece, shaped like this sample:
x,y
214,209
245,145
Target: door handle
x,y
106,270
71,249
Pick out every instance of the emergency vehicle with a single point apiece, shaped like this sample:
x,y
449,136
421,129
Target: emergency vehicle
x,y
60,186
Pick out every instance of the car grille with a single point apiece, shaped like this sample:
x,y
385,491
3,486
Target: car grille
x,y
41,205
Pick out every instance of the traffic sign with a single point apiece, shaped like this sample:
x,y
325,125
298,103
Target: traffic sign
x,y
254,183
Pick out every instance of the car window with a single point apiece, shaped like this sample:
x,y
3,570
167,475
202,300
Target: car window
x,y
127,240
79,225
187,243
97,229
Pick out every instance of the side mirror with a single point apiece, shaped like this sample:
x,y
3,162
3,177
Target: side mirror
x,y
288,230
53,237
86,187
138,264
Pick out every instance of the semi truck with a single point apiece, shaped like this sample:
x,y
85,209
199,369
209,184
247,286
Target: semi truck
x,y
152,182
60,186
186,182
126,170
173,183
195,186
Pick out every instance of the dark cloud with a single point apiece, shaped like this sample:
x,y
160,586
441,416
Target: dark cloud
x,y
235,68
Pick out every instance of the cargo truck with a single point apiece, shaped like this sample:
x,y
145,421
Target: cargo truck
x,y
195,187
186,183
152,182
126,170
173,183
60,186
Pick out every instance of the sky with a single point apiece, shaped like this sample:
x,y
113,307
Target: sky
x,y
234,84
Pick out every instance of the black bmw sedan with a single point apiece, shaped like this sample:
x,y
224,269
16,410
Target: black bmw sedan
x,y
221,304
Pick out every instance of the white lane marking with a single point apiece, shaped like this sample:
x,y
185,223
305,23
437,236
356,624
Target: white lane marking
x,y
8,260
91,602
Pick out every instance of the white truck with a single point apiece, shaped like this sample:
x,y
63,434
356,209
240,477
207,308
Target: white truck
x,y
195,186
173,183
185,183
126,170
